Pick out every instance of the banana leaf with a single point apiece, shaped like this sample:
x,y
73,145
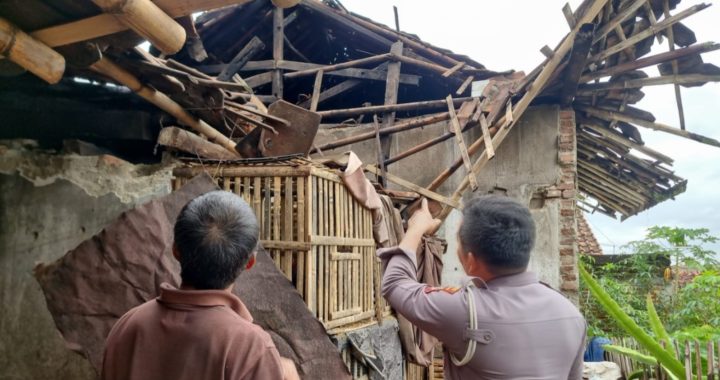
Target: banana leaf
x,y
613,309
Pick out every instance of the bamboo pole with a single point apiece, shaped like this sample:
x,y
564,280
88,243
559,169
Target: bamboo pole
x,y
30,54
398,127
108,68
618,116
149,21
413,106
338,66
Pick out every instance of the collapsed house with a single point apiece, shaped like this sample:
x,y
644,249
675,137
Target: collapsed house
x,y
266,100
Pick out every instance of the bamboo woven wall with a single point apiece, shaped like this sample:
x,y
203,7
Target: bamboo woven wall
x,y
317,234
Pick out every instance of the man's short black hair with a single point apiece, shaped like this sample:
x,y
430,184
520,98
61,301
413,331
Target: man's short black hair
x,y
215,234
499,231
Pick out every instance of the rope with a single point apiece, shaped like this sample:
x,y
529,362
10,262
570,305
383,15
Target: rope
x,y
472,316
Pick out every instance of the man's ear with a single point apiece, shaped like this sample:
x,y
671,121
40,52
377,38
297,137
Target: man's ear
x,y
250,262
175,252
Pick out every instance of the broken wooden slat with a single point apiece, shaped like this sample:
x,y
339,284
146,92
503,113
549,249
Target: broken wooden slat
x,y
547,52
316,91
453,70
569,16
618,19
149,21
189,142
105,24
486,136
30,53
464,85
618,116
422,64
241,58
411,186
460,140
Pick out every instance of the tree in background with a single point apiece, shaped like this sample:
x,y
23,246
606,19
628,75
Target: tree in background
x,y
685,292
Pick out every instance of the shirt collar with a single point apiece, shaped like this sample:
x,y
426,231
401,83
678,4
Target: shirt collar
x,y
513,280
207,298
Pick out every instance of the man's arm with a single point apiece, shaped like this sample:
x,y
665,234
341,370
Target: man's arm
x,y
289,369
437,311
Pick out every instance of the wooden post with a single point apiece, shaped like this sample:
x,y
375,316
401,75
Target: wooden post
x,y
149,21
30,53
108,68
380,156
460,140
317,87
391,92
278,43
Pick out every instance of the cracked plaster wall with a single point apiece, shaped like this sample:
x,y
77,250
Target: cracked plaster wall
x,y
50,203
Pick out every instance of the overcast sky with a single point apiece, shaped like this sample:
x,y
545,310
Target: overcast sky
x,y
508,34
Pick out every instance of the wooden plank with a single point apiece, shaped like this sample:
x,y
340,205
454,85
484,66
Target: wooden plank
x,y
618,19
380,156
241,58
490,150
316,91
105,23
411,186
590,88
569,16
453,70
460,140
464,85
412,106
341,87
278,33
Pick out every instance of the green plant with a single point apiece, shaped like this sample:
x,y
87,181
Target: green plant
x,y
666,359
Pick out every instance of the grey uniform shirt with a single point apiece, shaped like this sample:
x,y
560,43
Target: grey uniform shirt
x,y
525,329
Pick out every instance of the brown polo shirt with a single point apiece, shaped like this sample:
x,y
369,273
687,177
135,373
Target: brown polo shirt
x,y
199,334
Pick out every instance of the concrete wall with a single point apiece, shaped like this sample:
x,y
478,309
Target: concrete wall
x,y
48,205
526,167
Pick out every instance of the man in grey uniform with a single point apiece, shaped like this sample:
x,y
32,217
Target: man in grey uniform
x,y
504,323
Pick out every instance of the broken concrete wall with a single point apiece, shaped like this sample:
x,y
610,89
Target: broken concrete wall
x,y
50,203
525,166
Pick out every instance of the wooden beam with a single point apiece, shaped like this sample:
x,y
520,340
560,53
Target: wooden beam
x,y
108,68
619,18
651,60
278,44
464,85
149,21
106,24
413,106
189,142
411,186
317,87
590,88
399,127
569,16
618,116
30,54
576,65
241,58
338,66
453,70
392,85
486,137
380,156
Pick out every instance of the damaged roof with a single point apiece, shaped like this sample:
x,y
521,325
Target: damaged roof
x,y
344,66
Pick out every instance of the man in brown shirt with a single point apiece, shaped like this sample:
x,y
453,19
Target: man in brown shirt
x,y
503,323
202,330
